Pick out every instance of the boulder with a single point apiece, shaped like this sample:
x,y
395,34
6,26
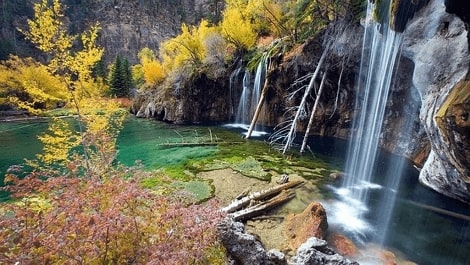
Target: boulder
x,y
316,252
312,222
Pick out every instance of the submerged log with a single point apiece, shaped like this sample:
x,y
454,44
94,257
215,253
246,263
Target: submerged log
x,y
259,195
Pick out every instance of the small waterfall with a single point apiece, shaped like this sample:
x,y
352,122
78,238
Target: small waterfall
x,y
251,94
243,103
233,85
381,47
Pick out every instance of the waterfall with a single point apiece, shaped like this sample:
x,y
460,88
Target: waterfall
x,y
251,94
243,103
233,84
379,53
381,47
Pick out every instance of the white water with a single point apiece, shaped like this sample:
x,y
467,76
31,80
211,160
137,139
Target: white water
x,y
250,95
381,47
243,104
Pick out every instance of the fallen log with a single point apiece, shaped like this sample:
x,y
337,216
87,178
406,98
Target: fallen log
x,y
246,213
259,195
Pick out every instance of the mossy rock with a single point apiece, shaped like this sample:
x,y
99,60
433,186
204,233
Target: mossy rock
x,y
200,190
251,167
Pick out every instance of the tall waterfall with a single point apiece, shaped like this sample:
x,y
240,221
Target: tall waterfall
x,y
381,47
379,53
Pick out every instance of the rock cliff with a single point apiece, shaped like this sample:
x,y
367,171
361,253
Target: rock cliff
x,y
437,43
127,26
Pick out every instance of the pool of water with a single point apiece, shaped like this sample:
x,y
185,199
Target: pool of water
x,y
426,227
408,218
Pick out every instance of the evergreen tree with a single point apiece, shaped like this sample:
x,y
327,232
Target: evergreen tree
x,y
120,79
99,70
127,74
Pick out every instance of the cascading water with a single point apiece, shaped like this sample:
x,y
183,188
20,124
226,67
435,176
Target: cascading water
x,y
250,95
232,87
381,47
243,104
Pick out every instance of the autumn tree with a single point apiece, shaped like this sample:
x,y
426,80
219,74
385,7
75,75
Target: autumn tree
x,y
186,53
30,86
48,33
150,71
236,26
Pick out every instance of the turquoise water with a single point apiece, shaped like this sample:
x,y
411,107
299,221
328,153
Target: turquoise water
x,y
150,143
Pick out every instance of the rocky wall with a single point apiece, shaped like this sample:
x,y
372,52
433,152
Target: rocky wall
x,y
436,42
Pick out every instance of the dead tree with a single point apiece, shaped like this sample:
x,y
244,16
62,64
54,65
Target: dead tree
x,y
312,114
288,139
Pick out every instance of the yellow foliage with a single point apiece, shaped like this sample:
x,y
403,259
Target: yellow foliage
x,y
30,86
58,142
82,61
47,30
149,69
35,203
153,72
187,48
237,29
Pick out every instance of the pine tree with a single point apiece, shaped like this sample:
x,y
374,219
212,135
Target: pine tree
x,y
118,80
127,77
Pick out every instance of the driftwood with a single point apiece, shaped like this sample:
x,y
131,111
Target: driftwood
x,y
263,206
240,209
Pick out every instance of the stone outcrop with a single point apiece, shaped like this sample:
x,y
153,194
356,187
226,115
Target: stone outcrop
x,y
312,222
126,26
437,43
200,100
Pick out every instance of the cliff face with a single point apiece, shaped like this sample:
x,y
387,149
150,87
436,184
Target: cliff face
x,y
127,26
437,43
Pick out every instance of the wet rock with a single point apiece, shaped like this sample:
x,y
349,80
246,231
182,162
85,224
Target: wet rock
x,y
342,245
337,176
312,222
316,252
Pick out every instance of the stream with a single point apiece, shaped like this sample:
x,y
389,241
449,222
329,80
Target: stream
x,y
425,227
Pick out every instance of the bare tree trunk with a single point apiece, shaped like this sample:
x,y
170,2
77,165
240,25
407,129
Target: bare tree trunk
x,y
291,134
314,109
